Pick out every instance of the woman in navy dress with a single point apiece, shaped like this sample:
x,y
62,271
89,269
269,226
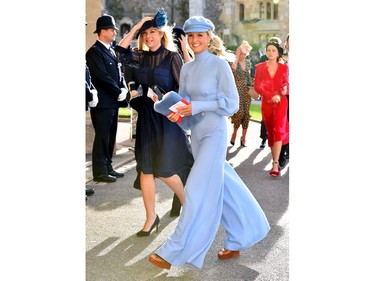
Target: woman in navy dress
x,y
214,193
162,149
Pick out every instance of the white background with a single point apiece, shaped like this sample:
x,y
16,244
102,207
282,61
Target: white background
x,y
43,137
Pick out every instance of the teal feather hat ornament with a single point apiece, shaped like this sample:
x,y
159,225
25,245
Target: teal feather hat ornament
x,y
159,21
160,18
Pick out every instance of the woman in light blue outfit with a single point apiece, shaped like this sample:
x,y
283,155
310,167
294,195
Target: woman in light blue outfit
x,y
214,193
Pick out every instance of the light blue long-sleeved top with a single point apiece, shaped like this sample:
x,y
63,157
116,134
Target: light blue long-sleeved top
x,y
211,85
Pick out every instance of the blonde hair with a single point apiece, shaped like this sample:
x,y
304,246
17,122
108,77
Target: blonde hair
x,y
245,47
216,46
275,39
166,40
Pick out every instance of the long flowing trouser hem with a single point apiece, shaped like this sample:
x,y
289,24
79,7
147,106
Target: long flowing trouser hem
x,y
210,186
204,190
243,219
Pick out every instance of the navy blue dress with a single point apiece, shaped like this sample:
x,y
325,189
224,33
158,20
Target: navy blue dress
x,y
161,147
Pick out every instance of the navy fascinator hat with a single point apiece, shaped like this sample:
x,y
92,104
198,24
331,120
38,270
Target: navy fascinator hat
x,y
178,32
159,21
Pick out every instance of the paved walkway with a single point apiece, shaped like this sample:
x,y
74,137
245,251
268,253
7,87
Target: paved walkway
x,y
115,213
124,149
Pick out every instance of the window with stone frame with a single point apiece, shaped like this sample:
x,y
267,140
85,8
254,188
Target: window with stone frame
x,y
275,10
241,9
269,10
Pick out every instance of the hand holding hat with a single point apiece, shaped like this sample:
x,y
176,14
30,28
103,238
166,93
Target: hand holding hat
x,y
139,25
159,21
179,35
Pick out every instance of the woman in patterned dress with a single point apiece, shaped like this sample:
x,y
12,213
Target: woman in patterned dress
x,y
241,69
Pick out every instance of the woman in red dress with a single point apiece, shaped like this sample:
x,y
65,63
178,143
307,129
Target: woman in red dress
x,y
271,82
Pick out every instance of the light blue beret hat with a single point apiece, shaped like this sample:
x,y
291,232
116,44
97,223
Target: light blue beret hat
x,y
198,24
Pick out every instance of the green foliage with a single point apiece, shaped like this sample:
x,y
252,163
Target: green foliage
x,y
124,112
255,46
255,111
232,48
116,9
182,6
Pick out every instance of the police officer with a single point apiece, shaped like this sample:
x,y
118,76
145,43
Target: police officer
x,y
106,75
91,101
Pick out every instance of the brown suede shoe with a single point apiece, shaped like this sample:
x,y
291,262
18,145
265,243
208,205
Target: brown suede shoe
x,y
224,254
159,261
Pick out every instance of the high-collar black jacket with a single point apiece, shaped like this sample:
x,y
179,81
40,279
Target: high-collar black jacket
x,y
105,75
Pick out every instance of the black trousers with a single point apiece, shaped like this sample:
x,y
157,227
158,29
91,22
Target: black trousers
x,y
285,147
263,131
104,121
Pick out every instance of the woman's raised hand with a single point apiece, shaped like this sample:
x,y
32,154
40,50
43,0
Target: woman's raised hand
x,y
141,22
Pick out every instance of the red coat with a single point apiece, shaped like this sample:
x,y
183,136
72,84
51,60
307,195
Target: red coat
x,y
274,115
